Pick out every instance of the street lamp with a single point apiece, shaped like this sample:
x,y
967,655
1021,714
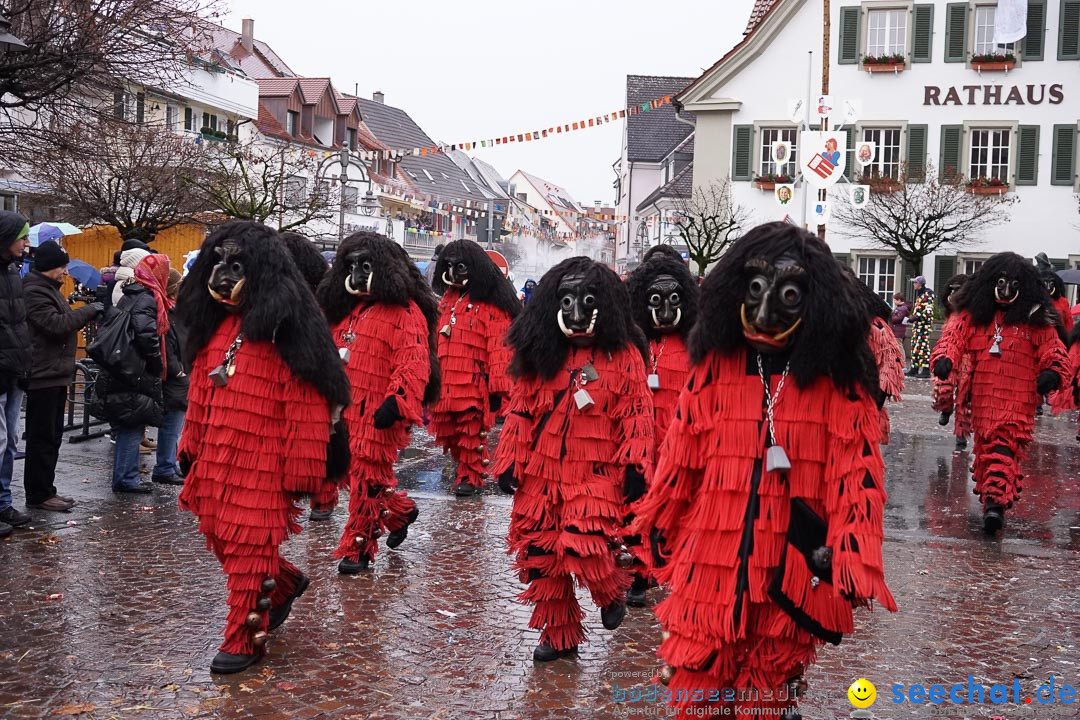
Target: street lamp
x,y
369,204
8,42
642,236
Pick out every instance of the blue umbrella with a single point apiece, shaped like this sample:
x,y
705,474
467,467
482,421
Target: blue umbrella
x,y
84,274
44,232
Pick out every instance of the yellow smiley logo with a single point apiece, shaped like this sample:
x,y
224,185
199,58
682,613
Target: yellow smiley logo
x,y
862,693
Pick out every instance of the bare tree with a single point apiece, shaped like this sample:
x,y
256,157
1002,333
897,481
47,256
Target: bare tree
x,y
917,218
708,222
265,181
127,176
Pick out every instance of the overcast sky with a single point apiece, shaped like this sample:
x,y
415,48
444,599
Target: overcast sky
x,y
476,69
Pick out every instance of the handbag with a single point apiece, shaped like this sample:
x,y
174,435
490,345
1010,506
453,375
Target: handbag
x,y
802,586
113,348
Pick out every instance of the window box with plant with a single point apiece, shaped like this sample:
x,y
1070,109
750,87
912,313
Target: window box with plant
x,y
894,63
987,186
771,180
993,62
882,184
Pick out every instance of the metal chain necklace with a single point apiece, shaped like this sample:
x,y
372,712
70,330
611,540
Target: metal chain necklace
x,y
775,457
348,337
654,377
221,374
995,349
449,328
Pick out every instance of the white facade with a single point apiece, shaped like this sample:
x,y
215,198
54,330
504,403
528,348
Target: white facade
x,y
637,180
781,61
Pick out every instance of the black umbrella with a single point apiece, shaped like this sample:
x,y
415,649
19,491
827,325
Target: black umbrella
x,y
1070,276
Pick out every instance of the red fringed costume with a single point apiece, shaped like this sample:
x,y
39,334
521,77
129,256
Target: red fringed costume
x,y
1064,311
388,357
670,359
570,464
953,394
474,358
889,356
257,443
1003,396
724,520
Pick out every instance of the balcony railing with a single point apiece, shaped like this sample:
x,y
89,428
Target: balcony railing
x,y
420,241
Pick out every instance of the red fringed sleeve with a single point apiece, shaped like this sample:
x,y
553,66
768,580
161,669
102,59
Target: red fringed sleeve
x,y
890,359
855,500
499,353
1061,304
955,337
670,360
307,434
410,363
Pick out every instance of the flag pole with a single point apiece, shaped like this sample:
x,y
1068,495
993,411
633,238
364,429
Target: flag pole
x,y
826,27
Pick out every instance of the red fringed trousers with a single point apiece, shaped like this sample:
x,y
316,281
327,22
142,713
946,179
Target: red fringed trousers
x,y
464,435
375,508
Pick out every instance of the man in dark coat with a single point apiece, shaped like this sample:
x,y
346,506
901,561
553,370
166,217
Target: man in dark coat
x,y
14,358
54,330
174,392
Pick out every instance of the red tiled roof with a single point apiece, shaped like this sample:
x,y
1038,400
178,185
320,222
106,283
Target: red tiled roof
x,y
367,138
313,89
762,9
276,87
269,126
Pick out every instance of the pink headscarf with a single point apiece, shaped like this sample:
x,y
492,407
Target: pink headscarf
x,y
152,272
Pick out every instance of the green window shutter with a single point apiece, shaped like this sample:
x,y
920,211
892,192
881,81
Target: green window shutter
x,y
849,36
843,258
741,152
916,153
956,15
923,39
944,268
1027,155
1063,162
1035,42
1069,30
1060,263
952,141
849,169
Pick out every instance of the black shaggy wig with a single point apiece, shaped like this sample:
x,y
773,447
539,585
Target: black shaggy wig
x,y
396,281
309,261
643,276
977,296
958,281
540,348
832,341
1046,271
486,281
663,250
277,307
873,304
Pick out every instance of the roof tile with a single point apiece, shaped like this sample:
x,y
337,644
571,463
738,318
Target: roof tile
x,y
651,135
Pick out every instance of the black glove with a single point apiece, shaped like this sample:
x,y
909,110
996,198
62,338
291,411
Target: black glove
x,y
184,463
507,482
657,544
495,401
942,368
633,484
1047,382
99,308
387,414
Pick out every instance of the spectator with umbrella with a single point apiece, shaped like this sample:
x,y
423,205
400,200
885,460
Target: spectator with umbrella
x,y
53,336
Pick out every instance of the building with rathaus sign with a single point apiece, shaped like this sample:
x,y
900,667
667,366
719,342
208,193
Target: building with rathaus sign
x,y
1014,122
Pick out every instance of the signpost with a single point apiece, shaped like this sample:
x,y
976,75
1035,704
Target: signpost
x,y
500,262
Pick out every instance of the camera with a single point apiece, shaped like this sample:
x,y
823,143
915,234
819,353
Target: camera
x,y
82,294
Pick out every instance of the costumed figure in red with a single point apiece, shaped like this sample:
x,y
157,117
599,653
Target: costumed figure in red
x,y
887,351
577,442
953,395
664,299
764,515
477,307
382,315
1074,359
265,382
1007,328
1056,287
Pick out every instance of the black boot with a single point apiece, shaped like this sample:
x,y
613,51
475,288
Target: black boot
x,y
546,653
912,372
353,567
398,536
924,374
466,489
944,419
961,442
612,616
280,614
635,596
319,515
993,518
226,663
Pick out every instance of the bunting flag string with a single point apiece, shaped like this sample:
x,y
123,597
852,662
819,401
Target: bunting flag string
x,y
520,137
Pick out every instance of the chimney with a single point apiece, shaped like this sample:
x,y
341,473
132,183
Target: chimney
x,y
378,97
247,35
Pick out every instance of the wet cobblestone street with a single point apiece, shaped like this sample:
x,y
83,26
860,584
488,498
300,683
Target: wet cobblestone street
x,y
114,610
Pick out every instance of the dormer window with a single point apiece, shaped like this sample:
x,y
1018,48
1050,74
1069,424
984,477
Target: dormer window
x,y
428,175
352,138
292,122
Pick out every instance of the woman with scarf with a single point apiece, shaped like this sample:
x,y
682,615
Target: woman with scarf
x,y
135,401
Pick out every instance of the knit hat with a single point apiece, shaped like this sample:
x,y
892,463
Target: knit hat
x,y
49,256
131,258
135,245
174,282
